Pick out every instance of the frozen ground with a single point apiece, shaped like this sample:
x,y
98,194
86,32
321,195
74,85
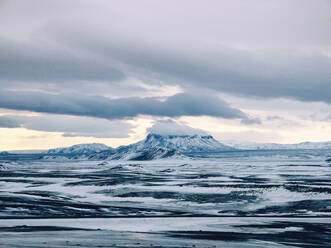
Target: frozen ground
x,y
245,199
167,232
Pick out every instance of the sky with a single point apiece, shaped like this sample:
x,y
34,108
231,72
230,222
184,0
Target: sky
x,y
106,71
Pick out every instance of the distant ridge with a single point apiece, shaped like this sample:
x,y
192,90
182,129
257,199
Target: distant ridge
x,y
157,146
275,146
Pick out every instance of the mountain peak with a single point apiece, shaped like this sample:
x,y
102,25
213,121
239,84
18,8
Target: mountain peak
x,y
183,143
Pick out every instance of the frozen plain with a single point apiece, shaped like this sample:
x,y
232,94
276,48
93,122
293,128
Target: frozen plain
x,y
229,199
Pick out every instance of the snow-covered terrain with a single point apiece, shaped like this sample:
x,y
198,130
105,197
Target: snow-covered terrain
x,y
170,232
249,183
226,199
172,189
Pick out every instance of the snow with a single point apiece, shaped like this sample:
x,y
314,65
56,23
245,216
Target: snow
x,y
80,148
157,224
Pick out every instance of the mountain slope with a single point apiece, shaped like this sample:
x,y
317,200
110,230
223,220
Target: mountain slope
x,y
80,149
136,154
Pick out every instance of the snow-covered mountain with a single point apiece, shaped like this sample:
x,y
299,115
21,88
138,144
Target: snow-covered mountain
x,y
154,146
275,146
182,143
165,146
80,149
165,139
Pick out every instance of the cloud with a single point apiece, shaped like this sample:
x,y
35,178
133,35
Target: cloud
x,y
271,55
224,69
69,126
280,70
256,49
6,122
251,121
38,60
169,127
250,135
182,104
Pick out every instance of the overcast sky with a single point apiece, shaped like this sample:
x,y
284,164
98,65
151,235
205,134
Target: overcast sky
x,y
105,71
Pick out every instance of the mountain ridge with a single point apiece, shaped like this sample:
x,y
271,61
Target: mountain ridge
x,y
154,146
276,146
80,149
159,146
165,146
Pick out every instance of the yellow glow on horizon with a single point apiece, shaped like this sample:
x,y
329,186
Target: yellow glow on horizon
x,y
21,138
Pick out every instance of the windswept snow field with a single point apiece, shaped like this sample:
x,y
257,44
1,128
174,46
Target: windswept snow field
x,y
229,199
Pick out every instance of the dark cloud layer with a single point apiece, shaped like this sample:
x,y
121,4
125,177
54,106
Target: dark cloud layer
x,y
259,49
69,126
251,121
265,75
7,122
182,104
91,56
41,61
